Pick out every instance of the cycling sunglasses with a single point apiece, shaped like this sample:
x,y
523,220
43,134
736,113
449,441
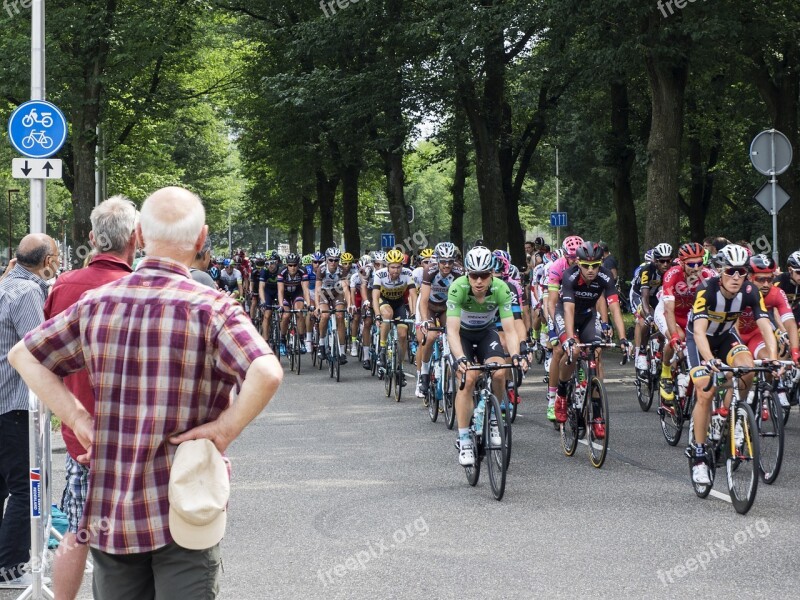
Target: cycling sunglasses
x,y
447,262
763,278
333,260
795,271
315,262
480,275
271,263
590,265
664,261
735,271
694,265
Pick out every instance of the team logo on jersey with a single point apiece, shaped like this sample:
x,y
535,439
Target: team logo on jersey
x,y
451,306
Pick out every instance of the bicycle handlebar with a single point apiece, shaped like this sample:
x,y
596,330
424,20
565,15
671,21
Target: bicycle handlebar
x,y
486,368
739,371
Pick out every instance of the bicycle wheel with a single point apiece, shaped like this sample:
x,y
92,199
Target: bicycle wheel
x,y
297,352
743,459
769,423
388,376
539,354
433,396
671,418
643,391
497,455
473,473
569,430
290,337
398,384
337,365
449,395
597,405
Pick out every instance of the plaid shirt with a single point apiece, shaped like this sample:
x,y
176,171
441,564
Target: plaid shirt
x,y
163,353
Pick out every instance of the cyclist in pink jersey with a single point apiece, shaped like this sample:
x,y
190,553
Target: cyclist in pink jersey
x,y
554,275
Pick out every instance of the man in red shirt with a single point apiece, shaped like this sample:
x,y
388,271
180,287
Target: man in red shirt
x,y
113,238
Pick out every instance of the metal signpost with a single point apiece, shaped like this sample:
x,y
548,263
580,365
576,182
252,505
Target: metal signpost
x,y
771,155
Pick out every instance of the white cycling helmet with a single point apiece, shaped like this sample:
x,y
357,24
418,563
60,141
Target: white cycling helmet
x,y
478,259
794,260
662,251
733,255
379,256
648,256
333,252
513,272
445,250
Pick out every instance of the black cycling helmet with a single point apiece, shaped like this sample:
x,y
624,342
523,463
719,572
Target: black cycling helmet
x,y
292,259
589,251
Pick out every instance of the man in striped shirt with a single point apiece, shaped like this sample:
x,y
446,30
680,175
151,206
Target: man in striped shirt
x,y
163,353
23,291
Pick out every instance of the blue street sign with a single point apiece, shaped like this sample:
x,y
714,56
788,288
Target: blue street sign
x,y
558,219
37,129
387,240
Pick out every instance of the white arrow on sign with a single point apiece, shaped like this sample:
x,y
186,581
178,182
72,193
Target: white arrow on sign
x,y
36,168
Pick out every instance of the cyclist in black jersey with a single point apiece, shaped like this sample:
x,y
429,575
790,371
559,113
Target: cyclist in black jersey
x,y
268,291
647,286
255,278
711,340
294,294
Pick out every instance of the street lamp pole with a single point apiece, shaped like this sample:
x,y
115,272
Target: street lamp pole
x,y
10,222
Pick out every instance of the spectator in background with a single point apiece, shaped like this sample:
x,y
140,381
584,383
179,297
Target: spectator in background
x,y
113,240
609,261
163,353
23,291
199,268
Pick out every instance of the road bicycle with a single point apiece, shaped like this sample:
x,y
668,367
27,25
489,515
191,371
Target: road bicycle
x,y
331,348
442,381
591,416
647,383
769,416
393,375
673,416
732,440
490,431
294,339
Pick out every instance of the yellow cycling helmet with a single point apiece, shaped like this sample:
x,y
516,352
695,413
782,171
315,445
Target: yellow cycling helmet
x,y
394,256
426,253
347,257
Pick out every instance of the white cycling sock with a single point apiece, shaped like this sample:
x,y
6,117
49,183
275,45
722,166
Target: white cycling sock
x,y
426,368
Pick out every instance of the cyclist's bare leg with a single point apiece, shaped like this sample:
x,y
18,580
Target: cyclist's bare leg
x,y
464,404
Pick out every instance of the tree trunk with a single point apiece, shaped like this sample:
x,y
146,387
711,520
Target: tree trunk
x,y
457,189
485,115
667,77
352,236
780,91
701,187
326,195
621,159
309,229
395,194
293,239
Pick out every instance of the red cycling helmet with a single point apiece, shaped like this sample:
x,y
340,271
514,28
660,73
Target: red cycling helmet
x,y
761,263
691,250
571,245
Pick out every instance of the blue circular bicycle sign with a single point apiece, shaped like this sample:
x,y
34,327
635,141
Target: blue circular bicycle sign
x,y
37,129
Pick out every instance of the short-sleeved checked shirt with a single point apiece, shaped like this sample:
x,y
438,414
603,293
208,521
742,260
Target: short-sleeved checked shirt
x,y
163,353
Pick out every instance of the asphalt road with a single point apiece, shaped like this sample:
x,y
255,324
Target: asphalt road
x,y
340,492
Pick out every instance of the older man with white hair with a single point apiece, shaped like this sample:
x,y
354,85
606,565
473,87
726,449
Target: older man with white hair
x,y
164,354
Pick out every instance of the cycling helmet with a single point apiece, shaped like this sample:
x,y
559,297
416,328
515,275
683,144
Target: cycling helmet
x,y
500,265
478,258
347,257
379,256
648,256
794,260
761,263
292,259
333,252
306,260
406,259
237,259
539,241
513,272
590,251
559,252
364,261
317,257
274,256
571,245
426,253
662,251
445,250
691,250
226,262
732,255
502,253
394,256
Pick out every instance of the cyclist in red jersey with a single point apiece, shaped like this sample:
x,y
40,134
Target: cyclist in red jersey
x,y
762,274
678,292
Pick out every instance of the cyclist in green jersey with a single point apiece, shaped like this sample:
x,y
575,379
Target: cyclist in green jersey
x,y
473,302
